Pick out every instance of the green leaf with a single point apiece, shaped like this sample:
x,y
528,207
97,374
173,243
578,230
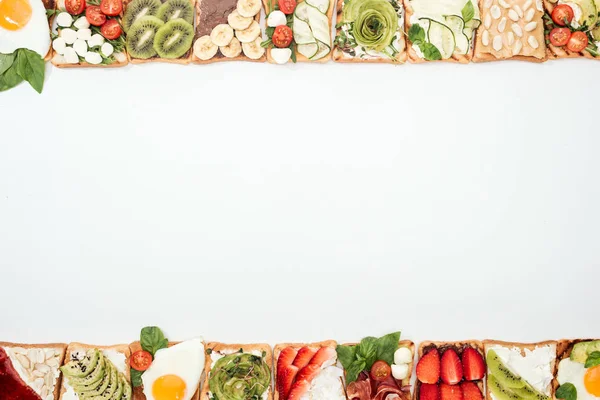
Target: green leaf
x,y
136,377
387,346
9,79
6,60
346,355
416,34
31,67
354,370
593,359
293,56
430,52
367,349
468,11
566,391
152,339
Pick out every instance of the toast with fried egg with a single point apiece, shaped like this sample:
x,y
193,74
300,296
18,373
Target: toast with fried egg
x,y
572,357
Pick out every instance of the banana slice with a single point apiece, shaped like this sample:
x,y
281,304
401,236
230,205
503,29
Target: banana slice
x,y
248,35
237,22
253,50
248,8
233,49
221,35
204,48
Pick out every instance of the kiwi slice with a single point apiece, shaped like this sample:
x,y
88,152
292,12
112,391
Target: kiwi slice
x,y
174,39
499,391
173,9
84,367
140,38
93,380
501,372
138,9
126,389
529,393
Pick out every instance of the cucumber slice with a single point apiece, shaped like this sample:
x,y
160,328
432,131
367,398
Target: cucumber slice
x,y
302,32
301,11
308,50
321,5
457,25
589,12
319,25
596,33
323,50
470,28
442,37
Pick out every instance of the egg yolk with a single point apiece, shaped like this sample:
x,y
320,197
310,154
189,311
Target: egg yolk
x,y
14,14
168,387
591,380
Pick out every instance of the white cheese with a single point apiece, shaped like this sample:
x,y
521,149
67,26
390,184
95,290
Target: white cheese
x,y
64,19
81,23
69,35
327,385
80,46
281,56
276,18
59,45
84,33
399,371
403,356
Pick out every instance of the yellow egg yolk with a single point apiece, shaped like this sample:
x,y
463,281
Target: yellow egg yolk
x,y
591,380
168,387
14,14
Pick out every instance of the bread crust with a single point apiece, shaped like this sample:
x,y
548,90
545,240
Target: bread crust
x,y
121,348
217,346
138,393
62,347
530,346
564,347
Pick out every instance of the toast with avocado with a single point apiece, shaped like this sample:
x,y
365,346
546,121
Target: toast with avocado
x,y
577,374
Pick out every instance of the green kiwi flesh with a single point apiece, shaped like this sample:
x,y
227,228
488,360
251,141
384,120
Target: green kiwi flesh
x,y
140,38
173,9
174,39
499,391
502,374
138,9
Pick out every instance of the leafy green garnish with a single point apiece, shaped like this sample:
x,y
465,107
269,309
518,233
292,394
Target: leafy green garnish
x,y
6,60
136,377
566,391
9,79
430,52
593,359
153,339
468,11
416,34
22,65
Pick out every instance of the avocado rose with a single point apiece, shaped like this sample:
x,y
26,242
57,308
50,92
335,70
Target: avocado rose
x,y
239,376
375,22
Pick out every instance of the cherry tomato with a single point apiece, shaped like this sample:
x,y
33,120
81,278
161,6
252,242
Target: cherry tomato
x,y
75,7
562,14
94,16
287,6
111,29
380,371
282,36
577,42
140,360
559,36
111,7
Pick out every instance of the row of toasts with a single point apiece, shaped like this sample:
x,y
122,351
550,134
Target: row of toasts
x,y
154,368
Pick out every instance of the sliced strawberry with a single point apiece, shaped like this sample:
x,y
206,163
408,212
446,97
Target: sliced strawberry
x,y
304,356
471,391
323,354
450,392
310,371
473,364
428,367
428,391
451,371
286,372
300,388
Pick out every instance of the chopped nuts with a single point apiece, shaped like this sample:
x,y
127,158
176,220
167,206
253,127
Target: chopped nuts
x,y
485,38
527,4
497,43
495,11
533,42
517,48
529,14
503,4
510,38
530,26
517,30
512,14
518,10
502,25
487,21
40,366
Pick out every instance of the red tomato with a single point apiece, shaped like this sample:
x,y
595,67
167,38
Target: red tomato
x,y
75,7
559,36
562,14
94,16
577,42
111,29
140,360
287,6
380,371
282,36
111,7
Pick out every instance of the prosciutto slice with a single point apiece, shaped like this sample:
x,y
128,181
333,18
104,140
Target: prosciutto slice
x,y
387,389
359,390
366,389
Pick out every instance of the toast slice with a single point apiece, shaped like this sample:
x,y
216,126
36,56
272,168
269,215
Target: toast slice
x,y
53,358
564,348
138,392
459,346
340,56
487,344
224,348
76,346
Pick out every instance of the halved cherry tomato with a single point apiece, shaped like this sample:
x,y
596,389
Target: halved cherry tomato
x,y
559,36
111,29
287,6
140,360
577,42
562,14
95,16
111,7
282,36
75,7
380,370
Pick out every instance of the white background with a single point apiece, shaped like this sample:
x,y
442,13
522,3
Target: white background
x,y
247,202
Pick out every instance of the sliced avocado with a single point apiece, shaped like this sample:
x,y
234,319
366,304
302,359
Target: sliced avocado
x,y
84,367
112,386
102,388
120,388
589,12
126,389
93,380
582,350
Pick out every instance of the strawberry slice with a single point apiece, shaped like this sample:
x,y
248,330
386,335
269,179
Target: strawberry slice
x,y
323,354
473,364
300,388
310,371
304,356
450,392
286,372
428,391
471,391
428,367
452,371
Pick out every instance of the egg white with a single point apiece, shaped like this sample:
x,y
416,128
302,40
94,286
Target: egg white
x,y
185,360
34,36
572,372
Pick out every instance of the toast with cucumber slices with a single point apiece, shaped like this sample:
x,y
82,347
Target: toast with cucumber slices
x,y
247,363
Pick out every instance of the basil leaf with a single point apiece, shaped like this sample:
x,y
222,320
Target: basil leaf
x,y
6,60
593,359
367,349
468,11
430,52
354,370
9,79
152,339
346,355
387,346
566,391
416,34
31,67
136,377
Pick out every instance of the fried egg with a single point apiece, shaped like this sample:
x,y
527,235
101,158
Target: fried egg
x,y
175,372
24,25
585,380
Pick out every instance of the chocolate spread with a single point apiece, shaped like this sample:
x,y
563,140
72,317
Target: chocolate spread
x,y
212,13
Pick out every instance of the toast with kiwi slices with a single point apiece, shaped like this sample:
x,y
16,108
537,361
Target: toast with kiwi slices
x,y
98,372
159,30
577,350
507,381
250,364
